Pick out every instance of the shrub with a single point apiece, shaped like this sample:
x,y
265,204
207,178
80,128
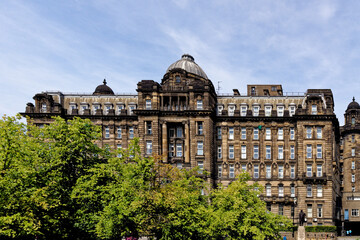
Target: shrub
x,y
320,228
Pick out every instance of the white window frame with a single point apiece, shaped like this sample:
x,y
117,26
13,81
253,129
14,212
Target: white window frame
x,y
200,128
309,211
281,190
268,152
268,171
308,151
319,190
314,109
309,190
256,133
148,147
319,151
243,152
292,133
243,111
319,210
219,171
352,178
219,152
318,132
309,170
43,107
292,190
354,212
107,132
119,132
200,164
268,189
281,171
280,133
200,148
308,132
219,109
353,152
148,104
131,132
231,133
132,107
231,152
256,110
280,152
219,132
280,111
256,152
243,133
179,150
319,170
199,105
256,171
353,165
292,152
267,133
292,110
231,109
292,171
148,127
268,110
231,171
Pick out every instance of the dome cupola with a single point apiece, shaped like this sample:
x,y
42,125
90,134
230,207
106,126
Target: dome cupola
x,y
187,63
103,89
353,105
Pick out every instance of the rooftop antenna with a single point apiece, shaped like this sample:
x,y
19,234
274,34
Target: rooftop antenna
x,y
218,87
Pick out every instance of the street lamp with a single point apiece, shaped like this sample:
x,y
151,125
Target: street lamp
x,y
294,204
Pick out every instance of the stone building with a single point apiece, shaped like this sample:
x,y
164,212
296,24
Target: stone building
x,y
289,143
350,166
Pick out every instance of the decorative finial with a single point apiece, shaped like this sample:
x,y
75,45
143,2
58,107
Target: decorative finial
x,y
104,81
353,99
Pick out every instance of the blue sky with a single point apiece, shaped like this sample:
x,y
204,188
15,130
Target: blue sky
x,y
72,45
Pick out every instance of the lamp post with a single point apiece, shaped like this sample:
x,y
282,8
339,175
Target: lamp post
x,y
294,204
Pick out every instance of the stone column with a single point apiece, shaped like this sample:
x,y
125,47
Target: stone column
x,y
187,142
164,141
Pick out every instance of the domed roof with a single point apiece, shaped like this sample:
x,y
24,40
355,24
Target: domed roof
x,y
188,64
353,105
103,89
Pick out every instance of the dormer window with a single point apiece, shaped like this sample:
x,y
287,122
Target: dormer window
x,y
119,107
177,79
83,107
280,111
43,108
219,109
96,107
132,107
148,104
231,109
313,109
243,111
199,104
256,109
107,108
268,111
291,111
73,106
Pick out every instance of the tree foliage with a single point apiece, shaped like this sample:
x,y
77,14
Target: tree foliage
x,y
55,182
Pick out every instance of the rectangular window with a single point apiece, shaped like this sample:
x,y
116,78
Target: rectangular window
x,y
220,108
219,152
148,104
281,209
268,152
268,190
171,150
280,133
268,134
256,171
313,109
308,132
231,151
319,151
267,111
107,132
280,152
219,171
256,134
353,152
243,167
309,211
309,170
131,132
355,212
43,108
148,128
281,190
118,147
107,108
319,170
281,171
308,151
292,133
218,132
291,111
256,151
352,138
148,147
319,191
243,111
179,132
243,133
199,104
352,177
256,111
231,133
268,171
292,190
292,152
119,108
200,128
83,108
231,110
243,151
309,190
131,109
200,148
353,165
201,166
319,211
292,171
231,171
319,132
280,111
179,152
118,132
